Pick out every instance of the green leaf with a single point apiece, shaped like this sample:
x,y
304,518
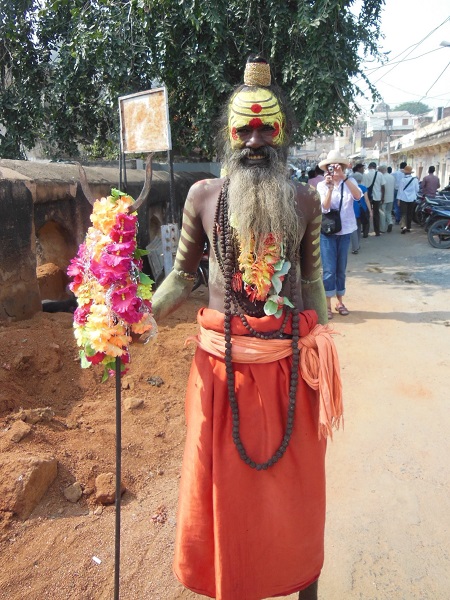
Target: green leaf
x,y
284,269
145,279
116,194
270,307
139,253
277,284
85,364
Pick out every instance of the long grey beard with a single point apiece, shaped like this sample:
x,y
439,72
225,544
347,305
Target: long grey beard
x,y
261,201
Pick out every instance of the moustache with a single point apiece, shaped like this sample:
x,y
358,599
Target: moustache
x,y
255,153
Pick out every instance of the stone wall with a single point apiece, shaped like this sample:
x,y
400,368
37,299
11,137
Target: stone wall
x,y
44,217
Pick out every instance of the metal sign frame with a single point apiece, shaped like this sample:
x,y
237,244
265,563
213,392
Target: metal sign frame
x,y
144,122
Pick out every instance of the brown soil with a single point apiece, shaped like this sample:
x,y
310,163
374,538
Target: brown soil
x,y
387,473
51,554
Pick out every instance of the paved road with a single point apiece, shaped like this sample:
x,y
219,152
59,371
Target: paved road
x,y
388,517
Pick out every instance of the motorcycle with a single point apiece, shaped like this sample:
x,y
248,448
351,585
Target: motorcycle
x,y
424,207
438,227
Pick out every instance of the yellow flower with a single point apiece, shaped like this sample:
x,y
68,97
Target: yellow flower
x,y
90,290
105,211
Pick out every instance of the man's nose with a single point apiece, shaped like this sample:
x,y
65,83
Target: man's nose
x,y
255,140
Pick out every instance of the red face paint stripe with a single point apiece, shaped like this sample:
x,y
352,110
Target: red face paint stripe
x,y
255,123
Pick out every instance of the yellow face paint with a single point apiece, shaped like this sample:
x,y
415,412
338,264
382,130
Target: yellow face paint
x,y
254,107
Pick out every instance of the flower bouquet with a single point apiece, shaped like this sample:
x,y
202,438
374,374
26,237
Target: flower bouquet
x,y
113,294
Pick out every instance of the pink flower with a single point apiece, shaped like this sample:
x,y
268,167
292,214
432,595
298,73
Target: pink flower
x,y
119,235
138,264
75,270
125,224
122,248
97,358
125,303
81,313
110,268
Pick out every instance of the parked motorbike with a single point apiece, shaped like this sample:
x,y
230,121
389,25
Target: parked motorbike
x,y
438,227
425,205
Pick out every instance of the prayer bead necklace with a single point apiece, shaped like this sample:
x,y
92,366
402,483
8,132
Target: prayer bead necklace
x,y
225,251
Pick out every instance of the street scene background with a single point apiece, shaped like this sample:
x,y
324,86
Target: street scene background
x,y
387,471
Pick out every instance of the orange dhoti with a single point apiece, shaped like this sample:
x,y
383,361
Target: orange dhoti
x,y
244,534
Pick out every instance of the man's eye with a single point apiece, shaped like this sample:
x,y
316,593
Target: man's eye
x,y
268,128
243,130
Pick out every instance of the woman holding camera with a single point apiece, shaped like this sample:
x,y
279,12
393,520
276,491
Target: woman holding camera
x,y
337,193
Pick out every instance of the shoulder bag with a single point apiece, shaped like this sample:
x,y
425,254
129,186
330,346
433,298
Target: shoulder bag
x,y
331,221
370,188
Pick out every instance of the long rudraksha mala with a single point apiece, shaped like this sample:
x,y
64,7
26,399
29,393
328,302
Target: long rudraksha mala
x,y
224,245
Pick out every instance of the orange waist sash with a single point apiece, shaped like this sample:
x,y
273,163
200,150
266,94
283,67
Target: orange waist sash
x,y
319,364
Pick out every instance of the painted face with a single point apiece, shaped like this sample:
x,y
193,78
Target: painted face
x,y
255,108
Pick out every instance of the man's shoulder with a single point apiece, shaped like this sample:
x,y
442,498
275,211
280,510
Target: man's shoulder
x,y
304,190
206,187
308,198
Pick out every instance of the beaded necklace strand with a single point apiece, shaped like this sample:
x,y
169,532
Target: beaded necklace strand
x,y
225,251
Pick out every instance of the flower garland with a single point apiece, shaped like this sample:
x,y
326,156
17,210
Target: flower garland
x,y
262,275
114,296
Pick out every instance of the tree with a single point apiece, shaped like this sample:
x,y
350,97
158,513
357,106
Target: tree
x,y
415,108
95,51
21,79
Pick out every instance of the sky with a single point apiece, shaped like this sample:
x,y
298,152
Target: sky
x,y
416,71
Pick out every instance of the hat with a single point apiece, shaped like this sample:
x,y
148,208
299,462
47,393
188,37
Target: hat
x,y
407,170
333,157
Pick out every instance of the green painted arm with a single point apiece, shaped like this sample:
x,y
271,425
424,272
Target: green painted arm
x,y
171,294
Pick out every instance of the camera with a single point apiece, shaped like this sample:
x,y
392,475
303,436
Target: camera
x,y
330,169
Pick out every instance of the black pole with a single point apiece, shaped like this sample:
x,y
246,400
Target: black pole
x,y
118,478
124,165
171,188
120,167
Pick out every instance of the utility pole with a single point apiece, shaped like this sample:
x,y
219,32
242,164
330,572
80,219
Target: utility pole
x,y
388,134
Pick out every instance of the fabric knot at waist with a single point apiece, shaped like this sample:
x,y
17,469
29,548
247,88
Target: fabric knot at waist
x,y
319,363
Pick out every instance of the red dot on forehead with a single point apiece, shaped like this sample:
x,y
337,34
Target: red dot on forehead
x,y
255,123
256,108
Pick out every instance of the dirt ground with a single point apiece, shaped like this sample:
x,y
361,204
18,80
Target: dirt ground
x,y
387,533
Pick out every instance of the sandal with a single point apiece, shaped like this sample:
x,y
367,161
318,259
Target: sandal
x,y
342,310
330,314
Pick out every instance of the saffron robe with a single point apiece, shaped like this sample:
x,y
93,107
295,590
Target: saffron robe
x,y
244,534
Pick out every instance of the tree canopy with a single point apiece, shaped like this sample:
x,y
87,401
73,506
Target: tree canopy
x,y
63,65
415,108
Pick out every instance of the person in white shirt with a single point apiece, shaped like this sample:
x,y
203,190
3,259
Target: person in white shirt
x,y
337,192
407,194
389,188
374,182
398,177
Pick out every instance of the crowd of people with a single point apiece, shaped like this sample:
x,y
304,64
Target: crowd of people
x,y
363,198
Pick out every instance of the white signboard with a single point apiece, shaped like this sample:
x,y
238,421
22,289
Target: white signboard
x,y
144,122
